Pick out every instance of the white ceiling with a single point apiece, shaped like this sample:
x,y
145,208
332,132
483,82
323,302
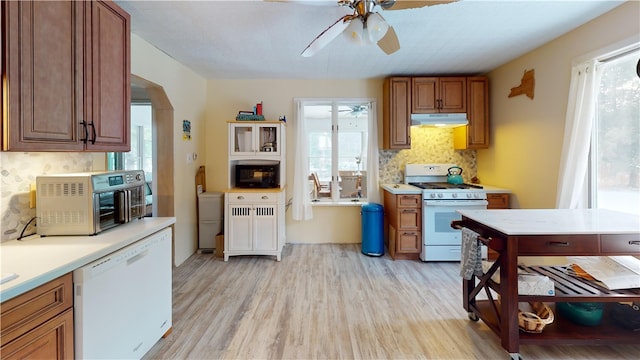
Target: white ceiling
x,y
254,39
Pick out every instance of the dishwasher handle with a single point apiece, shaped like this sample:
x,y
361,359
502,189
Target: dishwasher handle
x,y
137,257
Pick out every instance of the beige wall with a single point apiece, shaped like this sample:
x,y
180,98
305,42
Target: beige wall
x,y
527,134
186,92
226,97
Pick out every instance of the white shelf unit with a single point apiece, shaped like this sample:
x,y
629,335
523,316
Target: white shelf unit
x,y
254,218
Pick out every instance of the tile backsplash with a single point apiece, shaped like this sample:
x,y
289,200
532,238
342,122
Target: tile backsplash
x,y
428,146
17,172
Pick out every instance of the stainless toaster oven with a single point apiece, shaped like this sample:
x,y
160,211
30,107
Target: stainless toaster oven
x,y
87,203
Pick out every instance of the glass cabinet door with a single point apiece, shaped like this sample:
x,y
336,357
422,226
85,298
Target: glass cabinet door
x,y
242,142
254,139
268,139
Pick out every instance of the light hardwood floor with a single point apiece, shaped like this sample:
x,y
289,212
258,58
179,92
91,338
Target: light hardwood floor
x,y
332,302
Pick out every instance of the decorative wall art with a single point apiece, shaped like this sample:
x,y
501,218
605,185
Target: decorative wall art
x,y
527,85
186,130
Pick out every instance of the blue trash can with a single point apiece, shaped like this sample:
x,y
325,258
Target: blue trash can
x,y
372,229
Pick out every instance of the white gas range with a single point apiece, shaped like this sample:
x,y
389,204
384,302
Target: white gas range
x,y
440,200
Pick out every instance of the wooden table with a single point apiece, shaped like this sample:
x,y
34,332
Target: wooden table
x,y
557,232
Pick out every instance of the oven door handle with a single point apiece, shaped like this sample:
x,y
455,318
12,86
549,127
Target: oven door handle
x,y
455,203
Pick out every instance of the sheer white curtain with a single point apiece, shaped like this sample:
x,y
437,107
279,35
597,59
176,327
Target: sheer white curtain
x,y
373,194
301,205
574,162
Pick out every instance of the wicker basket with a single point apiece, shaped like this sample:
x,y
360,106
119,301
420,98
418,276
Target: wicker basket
x,y
537,319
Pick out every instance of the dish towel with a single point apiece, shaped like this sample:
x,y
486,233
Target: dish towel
x,y
471,262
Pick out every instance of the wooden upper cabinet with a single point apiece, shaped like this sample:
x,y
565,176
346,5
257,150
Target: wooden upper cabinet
x,y
109,104
476,134
425,95
42,47
66,64
439,95
396,115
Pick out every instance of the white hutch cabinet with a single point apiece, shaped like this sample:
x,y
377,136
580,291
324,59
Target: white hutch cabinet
x,y
254,218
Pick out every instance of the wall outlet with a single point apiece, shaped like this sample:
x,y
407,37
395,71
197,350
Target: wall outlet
x,y
32,196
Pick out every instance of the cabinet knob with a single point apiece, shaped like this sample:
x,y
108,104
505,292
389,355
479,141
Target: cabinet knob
x,y
240,197
265,197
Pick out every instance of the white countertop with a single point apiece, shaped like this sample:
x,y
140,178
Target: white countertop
x,y
494,190
398,189
37,260
556,221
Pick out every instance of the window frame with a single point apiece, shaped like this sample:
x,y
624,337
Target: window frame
x,y
335,103
594,149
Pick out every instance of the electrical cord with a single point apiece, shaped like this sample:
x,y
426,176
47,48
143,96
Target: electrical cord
x,y
25,228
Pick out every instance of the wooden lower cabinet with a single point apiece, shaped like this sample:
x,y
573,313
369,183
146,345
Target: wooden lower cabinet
x,y
39,324
496,201
403,214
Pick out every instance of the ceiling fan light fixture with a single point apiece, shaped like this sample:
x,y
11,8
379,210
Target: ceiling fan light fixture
x,y
376,27
355,31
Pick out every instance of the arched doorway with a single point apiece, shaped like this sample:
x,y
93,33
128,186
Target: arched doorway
x,y
163,184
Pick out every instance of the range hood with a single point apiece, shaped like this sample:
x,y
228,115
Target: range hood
x,y
439,120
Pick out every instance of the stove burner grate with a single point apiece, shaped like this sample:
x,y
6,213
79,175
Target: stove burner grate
x,y
443,186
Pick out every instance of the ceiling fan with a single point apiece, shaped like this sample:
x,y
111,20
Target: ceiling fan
x,y
365,25
356,110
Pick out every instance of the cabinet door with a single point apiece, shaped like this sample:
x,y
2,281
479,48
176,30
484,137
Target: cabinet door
x,y
413,201
498,201
397,113
409,219
425,95
241,139
476,134
108,100
268,139
265,227
240,227
409,241
43,45
478,112
51,340
453,95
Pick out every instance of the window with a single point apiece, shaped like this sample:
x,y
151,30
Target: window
x,y
337,134
615,146
141,154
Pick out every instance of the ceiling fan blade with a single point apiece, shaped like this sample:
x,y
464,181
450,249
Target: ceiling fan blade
x,y
411,4
389,42
326,36
307,2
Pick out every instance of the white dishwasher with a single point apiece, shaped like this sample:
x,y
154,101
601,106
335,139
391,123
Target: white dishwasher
x,y
122,302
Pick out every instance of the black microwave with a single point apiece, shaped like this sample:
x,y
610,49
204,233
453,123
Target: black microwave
x,y
258,175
